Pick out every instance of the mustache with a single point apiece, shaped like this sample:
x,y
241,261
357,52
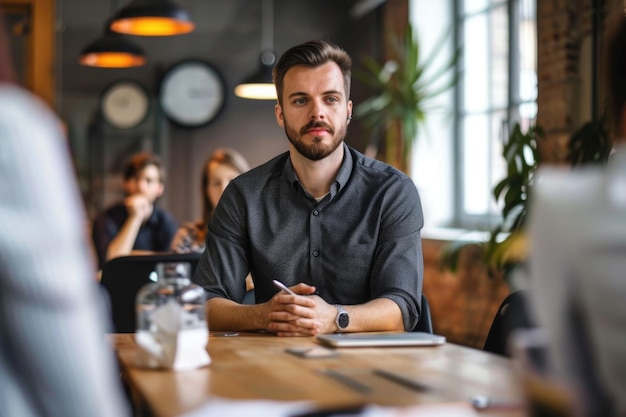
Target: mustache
x,y
318,124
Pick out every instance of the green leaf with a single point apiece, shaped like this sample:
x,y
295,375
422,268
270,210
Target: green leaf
x,y
401,96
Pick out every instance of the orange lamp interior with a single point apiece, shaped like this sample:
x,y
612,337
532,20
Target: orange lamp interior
x,y
152,26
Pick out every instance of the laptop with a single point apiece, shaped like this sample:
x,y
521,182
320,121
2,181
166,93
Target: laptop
x,y
381,339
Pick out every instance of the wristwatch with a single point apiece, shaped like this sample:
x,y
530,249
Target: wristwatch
x,y
343,319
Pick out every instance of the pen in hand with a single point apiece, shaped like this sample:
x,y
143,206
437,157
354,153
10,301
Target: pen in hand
x,y
283,287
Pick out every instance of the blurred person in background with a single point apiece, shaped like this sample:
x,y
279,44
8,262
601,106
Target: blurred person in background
x,y
136,226
578,263
54,357
219,170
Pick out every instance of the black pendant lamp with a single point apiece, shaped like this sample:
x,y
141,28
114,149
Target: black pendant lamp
x,y
112,50
260,85
152,18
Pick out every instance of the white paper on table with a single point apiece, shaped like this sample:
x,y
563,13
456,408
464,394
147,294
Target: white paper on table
x,y
219,407
458,409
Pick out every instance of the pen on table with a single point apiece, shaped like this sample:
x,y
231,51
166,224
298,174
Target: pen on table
x,y
402,380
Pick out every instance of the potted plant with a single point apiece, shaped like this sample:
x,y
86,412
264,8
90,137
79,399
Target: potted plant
x,y
403,86
507,246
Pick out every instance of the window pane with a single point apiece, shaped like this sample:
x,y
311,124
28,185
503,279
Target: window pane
x,y
499,56
497,88
499,132
476,164
527,52
472,6
475,61
483,164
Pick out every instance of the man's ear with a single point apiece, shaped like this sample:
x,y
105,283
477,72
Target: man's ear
x,y
349,111
278,112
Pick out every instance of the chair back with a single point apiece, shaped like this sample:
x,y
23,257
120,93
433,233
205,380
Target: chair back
x,y
123,277
512,314
425,323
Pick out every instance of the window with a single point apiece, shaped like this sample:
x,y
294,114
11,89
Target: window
x,y
497,88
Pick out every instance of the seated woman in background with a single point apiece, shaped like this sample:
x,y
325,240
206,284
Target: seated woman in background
x,y
223,165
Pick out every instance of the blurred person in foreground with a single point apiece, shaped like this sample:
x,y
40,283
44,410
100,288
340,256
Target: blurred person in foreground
x,y
578,263
342,230
54,357
136,225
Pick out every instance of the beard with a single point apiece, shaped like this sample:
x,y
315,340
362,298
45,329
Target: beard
x,y
318,149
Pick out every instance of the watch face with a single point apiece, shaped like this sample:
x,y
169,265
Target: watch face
x,y
192,93
343,319
125,104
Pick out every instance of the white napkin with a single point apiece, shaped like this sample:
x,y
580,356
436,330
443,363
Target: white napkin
x,y
179,341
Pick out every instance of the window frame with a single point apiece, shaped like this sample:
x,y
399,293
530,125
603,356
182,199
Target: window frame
x,y
461,218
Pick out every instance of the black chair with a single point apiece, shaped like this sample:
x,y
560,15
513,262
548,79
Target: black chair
x,y
123,277
425,323
512,314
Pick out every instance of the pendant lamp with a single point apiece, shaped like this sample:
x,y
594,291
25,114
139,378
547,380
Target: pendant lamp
x,y
152,18
260,85
112,50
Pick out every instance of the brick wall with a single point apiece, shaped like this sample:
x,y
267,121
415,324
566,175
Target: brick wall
x,y
462,304
565,64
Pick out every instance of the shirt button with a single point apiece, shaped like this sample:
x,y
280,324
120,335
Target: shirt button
x,y
316,253
315,212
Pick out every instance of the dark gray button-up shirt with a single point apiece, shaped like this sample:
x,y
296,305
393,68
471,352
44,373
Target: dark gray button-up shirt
x,y
360,242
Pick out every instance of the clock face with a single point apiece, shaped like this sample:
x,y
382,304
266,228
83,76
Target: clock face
x,y
125,104
192,93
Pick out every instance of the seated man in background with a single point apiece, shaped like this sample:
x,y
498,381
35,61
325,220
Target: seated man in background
x,y
54,358
578,264
341,229
136,225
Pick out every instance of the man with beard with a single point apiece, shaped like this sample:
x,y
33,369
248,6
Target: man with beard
x,y
340,229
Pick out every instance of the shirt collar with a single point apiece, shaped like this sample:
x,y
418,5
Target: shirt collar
x,y
345,170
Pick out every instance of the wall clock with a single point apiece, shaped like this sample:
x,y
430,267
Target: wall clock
x,y
124,104
192,93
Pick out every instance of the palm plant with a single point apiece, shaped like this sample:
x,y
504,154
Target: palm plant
x,y
403,88
521,153
591,143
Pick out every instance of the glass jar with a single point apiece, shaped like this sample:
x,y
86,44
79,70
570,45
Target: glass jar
x,y
171,318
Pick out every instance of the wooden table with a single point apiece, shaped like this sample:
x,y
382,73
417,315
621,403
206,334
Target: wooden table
x,y
256,366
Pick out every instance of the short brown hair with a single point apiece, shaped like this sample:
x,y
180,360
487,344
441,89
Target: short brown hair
x,y
312,54
139,161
